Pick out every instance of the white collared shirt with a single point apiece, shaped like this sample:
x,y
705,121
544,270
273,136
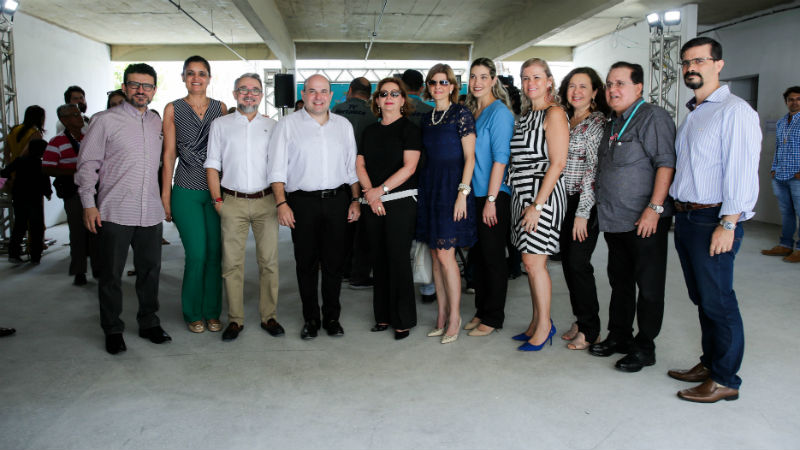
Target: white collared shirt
x,y
238,148
308,156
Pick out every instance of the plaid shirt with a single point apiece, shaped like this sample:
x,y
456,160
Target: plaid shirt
x,y
787,148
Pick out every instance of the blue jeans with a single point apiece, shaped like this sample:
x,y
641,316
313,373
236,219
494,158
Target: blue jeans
x,y
710,284
788,193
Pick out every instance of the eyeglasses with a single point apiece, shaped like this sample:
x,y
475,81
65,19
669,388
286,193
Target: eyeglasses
x,y
394,94
244,91
686,63
439,82
617,84
135,85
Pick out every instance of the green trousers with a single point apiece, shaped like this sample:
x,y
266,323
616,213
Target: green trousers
x,y
198,225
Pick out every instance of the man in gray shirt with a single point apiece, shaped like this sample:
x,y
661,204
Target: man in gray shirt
x,y
413,80
636,163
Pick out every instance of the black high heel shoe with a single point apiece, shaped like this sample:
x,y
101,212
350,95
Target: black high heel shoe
x,y
379,327
400,334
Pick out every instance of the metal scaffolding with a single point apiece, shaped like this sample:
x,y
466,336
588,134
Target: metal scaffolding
x,y
664,70
8,117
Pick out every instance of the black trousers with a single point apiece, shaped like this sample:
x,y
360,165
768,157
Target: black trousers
x,y
635,262
576,261
390,239
358,263
488,256
319,243
114,242
28,217
82,243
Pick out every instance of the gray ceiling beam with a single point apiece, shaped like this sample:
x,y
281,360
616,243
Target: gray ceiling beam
x,y
382,50
265,17
528,26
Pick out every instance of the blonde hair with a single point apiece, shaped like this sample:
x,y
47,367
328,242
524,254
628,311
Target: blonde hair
x,y
498,90
451,77
552,94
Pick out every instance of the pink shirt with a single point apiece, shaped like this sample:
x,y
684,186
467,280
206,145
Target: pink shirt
x,y
122,149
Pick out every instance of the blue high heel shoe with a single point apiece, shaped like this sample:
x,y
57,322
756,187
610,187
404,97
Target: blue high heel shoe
x,y
528,347
524,337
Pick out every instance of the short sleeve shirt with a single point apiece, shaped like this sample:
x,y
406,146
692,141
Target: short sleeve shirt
x,y
383,150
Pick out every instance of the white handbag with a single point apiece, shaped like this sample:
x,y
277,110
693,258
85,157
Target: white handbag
x,y
422,263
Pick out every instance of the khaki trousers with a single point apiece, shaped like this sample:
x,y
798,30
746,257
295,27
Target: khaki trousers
x,y
237,215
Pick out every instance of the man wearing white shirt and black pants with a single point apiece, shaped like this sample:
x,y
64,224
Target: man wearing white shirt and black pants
x,y
238,147
312,170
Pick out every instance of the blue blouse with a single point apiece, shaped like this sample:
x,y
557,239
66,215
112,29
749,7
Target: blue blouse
x,y
494,129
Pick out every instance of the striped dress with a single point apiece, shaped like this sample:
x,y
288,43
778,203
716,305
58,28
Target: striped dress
x,y
529,162
191,140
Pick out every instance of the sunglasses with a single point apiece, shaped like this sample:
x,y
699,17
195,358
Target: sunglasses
x,y
394,94
439,82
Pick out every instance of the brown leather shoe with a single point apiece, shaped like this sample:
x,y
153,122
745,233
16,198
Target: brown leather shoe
x,y
709,392
793,258
197,326
778,250
695,374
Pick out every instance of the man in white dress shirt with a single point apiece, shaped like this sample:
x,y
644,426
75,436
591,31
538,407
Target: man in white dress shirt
x,y
237,147
312,170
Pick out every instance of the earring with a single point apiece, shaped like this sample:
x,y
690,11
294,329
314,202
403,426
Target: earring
x,y
593,105
379,109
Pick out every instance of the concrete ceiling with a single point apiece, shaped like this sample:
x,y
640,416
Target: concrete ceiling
x,y
408,29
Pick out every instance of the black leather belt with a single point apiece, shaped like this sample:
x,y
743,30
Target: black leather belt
x,y
323,193
258,194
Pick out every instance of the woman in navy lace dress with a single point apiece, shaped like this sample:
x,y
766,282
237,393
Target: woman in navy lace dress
x,y
446,208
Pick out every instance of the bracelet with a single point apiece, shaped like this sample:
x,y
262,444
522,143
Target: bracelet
x,y
464,188
280,203
218,200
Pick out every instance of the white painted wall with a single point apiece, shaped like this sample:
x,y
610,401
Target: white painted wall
x,y
47,60
757,47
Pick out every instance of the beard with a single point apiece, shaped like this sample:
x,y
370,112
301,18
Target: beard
x,y
139,101
247,109
693,84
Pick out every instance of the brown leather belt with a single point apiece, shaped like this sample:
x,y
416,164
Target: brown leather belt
x,y
258,194
689,206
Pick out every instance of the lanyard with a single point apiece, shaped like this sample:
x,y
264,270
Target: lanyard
x,y
616,136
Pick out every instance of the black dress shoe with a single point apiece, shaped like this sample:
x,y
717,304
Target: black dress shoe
x,y
80,279
379,327
273,328
309,330
429,298
400,334
156,335
232,331
635,361
334,328
609,347
7,332
115,343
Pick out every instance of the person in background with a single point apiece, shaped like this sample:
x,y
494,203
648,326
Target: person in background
x,y
74,95
298,105
186,125
583,96
538,156
32,127
494,124
30,188
386,166
115,98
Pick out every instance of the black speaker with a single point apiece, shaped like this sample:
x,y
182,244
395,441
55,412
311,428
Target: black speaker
x,y
284,90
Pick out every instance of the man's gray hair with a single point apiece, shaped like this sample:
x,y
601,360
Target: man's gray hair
x,y
254,76
62,110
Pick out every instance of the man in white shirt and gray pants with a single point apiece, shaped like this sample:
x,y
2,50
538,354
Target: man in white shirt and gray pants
x,y
237,147
312,170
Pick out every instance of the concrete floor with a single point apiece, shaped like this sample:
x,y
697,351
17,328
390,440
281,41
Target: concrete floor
x,y
60,389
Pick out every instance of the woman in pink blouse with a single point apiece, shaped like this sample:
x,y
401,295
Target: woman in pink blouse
x,y
583,96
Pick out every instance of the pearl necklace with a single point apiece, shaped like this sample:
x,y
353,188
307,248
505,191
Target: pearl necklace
x,y
433,117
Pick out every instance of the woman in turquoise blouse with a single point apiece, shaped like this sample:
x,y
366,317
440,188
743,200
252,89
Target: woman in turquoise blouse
x,y
494,123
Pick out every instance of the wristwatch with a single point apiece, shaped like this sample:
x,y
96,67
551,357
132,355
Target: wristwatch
x,y
659,209
727,226
385,189
538,206
491,199
464,188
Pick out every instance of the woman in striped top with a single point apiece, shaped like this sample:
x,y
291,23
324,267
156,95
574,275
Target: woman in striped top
x,y
188,202
583,96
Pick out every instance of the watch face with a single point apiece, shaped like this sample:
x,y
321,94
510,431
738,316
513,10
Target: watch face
x,y
491,198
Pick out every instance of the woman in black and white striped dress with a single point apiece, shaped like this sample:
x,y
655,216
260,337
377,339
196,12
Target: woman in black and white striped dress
x,y
538,155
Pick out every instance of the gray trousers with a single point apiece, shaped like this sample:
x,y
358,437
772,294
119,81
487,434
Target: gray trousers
x,y
82,243
114,242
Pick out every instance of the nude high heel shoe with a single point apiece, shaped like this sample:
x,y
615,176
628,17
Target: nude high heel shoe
x,y
446,339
